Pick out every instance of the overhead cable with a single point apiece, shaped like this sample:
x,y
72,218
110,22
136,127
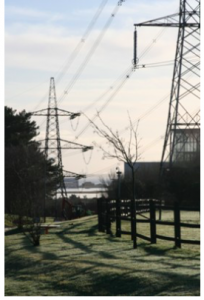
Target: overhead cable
x,y
107,101
73,55
91,52
127,75
81,42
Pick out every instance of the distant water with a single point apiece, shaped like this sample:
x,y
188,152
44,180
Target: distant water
x,y
88,193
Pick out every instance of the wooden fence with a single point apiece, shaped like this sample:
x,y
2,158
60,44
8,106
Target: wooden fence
x,y
110,211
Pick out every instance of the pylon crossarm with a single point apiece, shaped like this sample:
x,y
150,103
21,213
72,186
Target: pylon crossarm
x,y
73,145
62,112
55,111
169,21
154,22
73,175
42,112
67,145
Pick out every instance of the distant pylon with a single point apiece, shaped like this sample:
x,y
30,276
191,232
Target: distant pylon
x,y
52,142
182,138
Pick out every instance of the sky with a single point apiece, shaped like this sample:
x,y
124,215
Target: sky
x,y
40,39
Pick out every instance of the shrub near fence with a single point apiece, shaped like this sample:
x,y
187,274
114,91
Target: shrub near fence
x,y
110,211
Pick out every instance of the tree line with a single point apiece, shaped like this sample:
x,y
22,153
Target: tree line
x,y
181,183
26,169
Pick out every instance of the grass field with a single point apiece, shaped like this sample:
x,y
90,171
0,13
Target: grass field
x,y
77,260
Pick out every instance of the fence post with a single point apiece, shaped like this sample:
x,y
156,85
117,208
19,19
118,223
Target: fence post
x,y
177,228
108,222
118,207
118,217
152,222
134,223
99,209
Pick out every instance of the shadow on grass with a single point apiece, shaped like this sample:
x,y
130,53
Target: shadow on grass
x,y
85,248
169,252
136,282
136,285
67,230
95,278
65,236
152,250
127,284
73,230
100,273
106,285
18,263
13,231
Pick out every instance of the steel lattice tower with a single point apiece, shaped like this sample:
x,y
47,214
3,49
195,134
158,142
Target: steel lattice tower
x,y
182,138
53,142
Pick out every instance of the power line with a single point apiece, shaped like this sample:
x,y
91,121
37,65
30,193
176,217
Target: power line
x,y
73,55
108,100
146,50
120,86
89,56
108,90
125,74
140,66
91,52
104,94
149,111
95,45
82,41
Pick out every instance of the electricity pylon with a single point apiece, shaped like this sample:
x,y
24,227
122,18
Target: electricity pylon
x,y
182,138
53,142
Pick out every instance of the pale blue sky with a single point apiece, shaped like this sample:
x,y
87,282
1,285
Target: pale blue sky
x,y
41,35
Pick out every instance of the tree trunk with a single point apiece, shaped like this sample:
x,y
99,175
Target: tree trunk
x,y
133,211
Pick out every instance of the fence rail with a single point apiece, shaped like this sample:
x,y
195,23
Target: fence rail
x,y
110,211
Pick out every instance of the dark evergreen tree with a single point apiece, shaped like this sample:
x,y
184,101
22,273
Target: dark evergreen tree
x,y
26,168
19,129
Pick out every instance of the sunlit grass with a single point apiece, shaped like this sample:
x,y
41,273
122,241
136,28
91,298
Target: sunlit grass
x,y
77,260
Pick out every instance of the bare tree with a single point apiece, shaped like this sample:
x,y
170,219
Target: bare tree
x,y
117,147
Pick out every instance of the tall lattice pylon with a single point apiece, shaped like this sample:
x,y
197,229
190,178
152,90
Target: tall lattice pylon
x,y
53,142
182,138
